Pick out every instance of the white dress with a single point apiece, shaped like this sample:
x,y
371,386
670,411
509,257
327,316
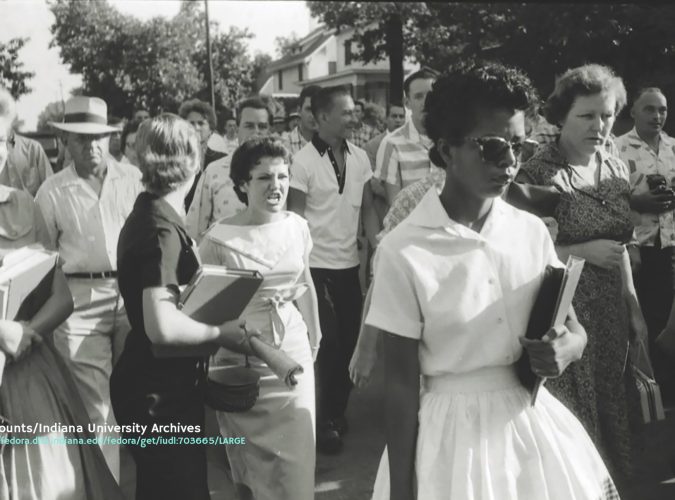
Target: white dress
x,y
467,297
277,462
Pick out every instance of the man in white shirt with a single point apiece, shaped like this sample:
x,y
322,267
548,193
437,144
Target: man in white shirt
x,y
648,151
403,155
330,188
214,197
84,207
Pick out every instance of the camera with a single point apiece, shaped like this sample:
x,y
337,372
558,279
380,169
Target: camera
x,y
658,184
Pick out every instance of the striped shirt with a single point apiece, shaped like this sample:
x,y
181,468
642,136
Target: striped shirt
x,y
403,156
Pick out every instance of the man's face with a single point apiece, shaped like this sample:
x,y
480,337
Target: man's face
x,y
650,112
396,118
307,121
115,142
253,123
5,129
479,178
358,112
201,125
339,121
141,115
414,100
88,151
231,128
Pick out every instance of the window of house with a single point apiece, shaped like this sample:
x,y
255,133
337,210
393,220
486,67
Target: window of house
x,y
348,52
300,72
332,67
281,80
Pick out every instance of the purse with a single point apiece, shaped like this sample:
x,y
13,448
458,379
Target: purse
x,y
232,389
651,403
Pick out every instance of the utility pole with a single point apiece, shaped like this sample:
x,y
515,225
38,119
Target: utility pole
x,y
209,67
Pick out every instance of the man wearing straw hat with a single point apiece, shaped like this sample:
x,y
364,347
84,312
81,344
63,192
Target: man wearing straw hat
x,y
84,207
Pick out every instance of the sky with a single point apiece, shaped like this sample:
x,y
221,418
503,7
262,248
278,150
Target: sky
x,y
266,19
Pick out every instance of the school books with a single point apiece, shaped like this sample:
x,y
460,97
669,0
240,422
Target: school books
x,y
213,296
26,277
550,309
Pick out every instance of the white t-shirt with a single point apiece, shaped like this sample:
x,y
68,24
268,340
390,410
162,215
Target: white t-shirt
x,y
333,217
466,296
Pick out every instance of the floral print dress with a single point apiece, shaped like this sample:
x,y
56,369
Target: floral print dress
x,y
598,389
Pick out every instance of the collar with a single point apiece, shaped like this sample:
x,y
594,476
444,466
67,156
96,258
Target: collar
x,y
114,172
322,146
157,206
636,140
430,214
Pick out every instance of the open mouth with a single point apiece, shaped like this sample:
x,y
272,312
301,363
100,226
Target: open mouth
x,y
274,198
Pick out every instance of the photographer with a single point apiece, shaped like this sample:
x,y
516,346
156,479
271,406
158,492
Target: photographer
x,y
649,154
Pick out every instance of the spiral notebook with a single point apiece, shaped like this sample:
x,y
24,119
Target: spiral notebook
x,y
213,296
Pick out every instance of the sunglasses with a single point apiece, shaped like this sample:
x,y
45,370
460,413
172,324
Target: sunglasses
x,y
495,149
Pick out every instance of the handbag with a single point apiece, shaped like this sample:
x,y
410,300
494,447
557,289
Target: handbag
x,y
233,389
651,403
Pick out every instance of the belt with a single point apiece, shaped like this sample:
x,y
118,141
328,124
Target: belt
x,y
93,276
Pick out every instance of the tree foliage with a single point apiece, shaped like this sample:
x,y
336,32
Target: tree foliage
x,y
12,75
543,39
285,45
155,64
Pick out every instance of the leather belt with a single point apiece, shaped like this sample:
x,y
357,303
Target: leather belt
x,y
93,276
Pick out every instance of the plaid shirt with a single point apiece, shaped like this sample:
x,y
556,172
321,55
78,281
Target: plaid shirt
x,y
361,135
294,141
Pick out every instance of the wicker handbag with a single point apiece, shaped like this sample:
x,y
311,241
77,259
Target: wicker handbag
x,y
233,389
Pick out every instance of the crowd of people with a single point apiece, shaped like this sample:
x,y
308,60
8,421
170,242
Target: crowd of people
x,y
472,188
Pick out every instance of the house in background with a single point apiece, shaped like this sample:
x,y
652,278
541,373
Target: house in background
x,y
324,57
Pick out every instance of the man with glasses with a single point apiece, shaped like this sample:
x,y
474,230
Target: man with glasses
x,y
84,207
214,195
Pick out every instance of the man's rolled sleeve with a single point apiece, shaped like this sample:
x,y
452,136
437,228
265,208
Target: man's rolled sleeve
x,y
387,169
394,307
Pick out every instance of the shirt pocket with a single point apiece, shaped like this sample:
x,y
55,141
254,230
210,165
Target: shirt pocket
x,y
355,193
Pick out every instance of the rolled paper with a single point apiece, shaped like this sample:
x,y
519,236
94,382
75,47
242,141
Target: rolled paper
x,y
279,362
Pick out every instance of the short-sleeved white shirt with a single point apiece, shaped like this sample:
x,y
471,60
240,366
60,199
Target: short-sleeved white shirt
x,y
466,296
333,217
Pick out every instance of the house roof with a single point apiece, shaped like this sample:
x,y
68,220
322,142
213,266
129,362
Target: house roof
x,y
309,44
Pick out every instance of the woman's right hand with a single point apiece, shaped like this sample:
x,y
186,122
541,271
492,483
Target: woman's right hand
x,y
235,336
607,254
16,338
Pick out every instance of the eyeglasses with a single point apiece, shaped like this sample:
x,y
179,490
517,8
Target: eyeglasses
x,y
495,149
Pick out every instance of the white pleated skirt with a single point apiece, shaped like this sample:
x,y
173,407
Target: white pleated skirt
x,y
479,439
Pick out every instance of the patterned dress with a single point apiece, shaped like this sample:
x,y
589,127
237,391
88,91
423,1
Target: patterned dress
x,y
597,389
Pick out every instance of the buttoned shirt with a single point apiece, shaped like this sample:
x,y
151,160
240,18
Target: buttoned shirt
x,y
361,135
642,160
403,156
214,198
294,140
82,226
465,295
27,165
332,203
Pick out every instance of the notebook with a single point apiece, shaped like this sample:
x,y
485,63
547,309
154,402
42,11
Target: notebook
x,y
213,296
550,309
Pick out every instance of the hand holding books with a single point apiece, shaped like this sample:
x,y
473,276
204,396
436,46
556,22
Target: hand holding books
x,y
16,338
554,352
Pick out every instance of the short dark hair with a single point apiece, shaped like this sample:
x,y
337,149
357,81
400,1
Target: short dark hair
x,y
360,103
457,97
422,74
255,103
131,127
585,80
643,90
201,107
309,91
247,156
396,104
323,99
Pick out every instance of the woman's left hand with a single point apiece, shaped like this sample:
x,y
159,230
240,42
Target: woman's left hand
x,y
550,356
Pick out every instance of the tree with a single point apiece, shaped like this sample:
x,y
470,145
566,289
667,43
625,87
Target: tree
x,y
285,45
53,112
12,76
156,64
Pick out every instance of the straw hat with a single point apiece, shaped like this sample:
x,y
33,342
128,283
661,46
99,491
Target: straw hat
x,y
85,115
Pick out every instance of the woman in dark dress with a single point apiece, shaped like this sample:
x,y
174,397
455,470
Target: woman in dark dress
x,y
155,257
594,222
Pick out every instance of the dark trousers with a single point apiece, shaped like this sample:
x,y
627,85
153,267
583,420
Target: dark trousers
x,y
654,286
339,296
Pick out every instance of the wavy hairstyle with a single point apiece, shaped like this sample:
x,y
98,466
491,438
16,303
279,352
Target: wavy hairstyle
x,y
169,152
248,155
